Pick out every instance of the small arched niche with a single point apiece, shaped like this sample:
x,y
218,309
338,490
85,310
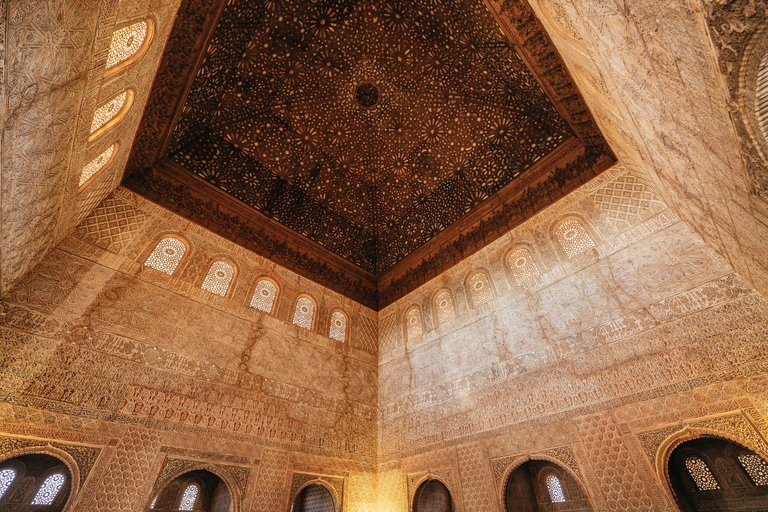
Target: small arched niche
x,y
198,491
313,498
540,485
432,496
709,473
35,481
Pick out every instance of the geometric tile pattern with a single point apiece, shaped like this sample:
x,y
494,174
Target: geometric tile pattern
x,y
124,486
627,201
111,225
475,479
616,471
272,482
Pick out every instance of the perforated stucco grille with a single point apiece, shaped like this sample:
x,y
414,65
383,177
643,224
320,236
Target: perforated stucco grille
x,y
166,255
756,467
555,489
189,498
522,265
444,307
108,111
47,492
264,296
573,238
338,326
413,323
219,276
305,309
126,42
96,164
701,474
480,288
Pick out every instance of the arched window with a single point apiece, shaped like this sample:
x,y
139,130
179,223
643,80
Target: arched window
x,y
701,474
264,296
189,497
444,307
219,276
111,113
573,237
338,329
305,311
7,476
154,502
167,255
755,466
128,45
97,164
480,288
522,265
555,489
413,327
47,492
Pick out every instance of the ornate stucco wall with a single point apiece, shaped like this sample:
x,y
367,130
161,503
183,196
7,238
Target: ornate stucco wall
x,y
148,369
649,330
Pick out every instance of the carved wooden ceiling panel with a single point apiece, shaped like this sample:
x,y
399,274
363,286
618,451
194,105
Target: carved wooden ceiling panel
x,y
369,127
359,142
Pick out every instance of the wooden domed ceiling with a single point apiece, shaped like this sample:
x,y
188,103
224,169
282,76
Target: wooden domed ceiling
x,y
355,140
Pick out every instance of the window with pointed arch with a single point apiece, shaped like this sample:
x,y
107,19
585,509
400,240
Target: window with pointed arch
x,y
304,313
264,296
755,466
701,474
7,477
96,165
573,237
189,497
555,489
413,326
444,307
47,492
128,45
479,288
167,255
522,265
111,113
219,278
338,329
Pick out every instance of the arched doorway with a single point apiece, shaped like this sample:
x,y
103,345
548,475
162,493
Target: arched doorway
x,y
32,481
432,496
540,485
313,498
709,473
198,491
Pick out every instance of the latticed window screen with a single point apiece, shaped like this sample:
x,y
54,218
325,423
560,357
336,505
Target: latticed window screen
x,y
189,497
96,164
756,467
522,265
305,310
154,502
108,111
573,237
167,255
264,296
219,276
7,476
444,307
555,489
338,326
413,326
47,492
126,42
701,474
761,97
480,288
